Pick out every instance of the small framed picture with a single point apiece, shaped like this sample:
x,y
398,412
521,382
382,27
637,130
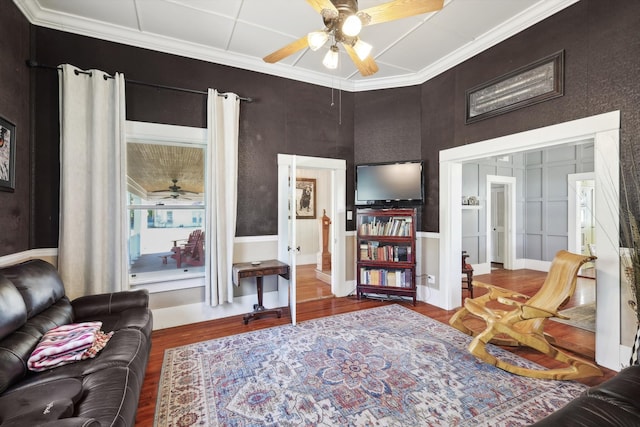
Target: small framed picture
x,y
7,155
305,198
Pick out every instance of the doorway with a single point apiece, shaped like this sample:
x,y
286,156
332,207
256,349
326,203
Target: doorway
x,y
288,247
501,221
604,130
313,269
581,221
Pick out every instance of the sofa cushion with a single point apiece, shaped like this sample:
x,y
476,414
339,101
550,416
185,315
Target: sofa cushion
x,y
621,390
127,348
38,282
612,403
13,312
110,396
16,348
116,311
41,403
132,318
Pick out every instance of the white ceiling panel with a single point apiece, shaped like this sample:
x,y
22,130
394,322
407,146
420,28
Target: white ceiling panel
x,y
240,33
427,43
292,17
185,23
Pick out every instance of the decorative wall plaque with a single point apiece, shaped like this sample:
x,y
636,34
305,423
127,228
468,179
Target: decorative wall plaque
x,y
528,85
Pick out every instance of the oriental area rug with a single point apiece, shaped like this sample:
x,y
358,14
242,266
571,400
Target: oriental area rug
x,y
386,366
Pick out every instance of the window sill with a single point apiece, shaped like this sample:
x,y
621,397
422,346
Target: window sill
x,y
163,282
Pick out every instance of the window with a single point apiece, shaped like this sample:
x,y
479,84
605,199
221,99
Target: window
x,y
165,203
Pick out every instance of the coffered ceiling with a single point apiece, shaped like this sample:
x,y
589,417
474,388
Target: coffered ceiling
x,y
240,33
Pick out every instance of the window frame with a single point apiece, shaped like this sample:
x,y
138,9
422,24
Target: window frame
x,y
164,134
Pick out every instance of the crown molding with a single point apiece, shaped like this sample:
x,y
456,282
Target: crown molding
x,y
104,31
524,20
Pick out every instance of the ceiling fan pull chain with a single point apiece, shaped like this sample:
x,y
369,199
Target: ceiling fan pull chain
x,y
339,106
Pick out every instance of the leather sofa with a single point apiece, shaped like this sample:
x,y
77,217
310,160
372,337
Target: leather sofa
x,y
615,402
99,391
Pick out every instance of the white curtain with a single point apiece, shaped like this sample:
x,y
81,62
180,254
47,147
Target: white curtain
x,y
91,254
223,115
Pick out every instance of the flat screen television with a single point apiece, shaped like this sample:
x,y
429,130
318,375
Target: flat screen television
x,y
390,184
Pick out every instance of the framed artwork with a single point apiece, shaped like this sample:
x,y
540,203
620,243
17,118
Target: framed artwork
x,y
305,198
536,82
7,155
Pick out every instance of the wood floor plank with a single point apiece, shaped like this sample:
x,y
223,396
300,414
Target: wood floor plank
x,y
525,281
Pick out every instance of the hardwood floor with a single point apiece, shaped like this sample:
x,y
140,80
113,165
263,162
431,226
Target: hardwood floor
x,y
525,281
309,287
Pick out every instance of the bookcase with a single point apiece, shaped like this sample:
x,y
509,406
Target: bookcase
x,y
386,261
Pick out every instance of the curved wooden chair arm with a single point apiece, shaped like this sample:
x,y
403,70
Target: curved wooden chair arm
x,y
529,311
496,292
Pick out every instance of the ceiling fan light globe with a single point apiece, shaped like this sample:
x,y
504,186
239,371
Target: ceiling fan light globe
x,y
352,26
331,58
362,49
317,39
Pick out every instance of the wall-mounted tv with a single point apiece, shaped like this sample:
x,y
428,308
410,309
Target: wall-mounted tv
x,y
390,184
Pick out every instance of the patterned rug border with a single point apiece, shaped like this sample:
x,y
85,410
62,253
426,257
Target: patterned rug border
x,y
539,397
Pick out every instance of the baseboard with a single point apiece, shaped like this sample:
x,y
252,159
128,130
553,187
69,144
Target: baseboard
x,y
533,264
200,312
323,276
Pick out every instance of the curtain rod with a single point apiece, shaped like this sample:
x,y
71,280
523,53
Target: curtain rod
x,y
34,64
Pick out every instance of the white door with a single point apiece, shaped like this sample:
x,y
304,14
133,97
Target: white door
x,y
287,245
497,223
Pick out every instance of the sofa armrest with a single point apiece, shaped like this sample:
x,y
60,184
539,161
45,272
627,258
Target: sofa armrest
x,y
91,306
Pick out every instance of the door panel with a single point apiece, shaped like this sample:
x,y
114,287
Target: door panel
x,y
497,223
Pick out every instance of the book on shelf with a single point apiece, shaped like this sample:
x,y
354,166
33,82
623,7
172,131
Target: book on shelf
x,y
398,278
373,250
395,226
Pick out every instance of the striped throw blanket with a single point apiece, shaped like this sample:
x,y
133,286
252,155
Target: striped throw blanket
x,y
68,343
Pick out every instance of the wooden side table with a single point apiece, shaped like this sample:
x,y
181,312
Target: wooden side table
x,y
259,270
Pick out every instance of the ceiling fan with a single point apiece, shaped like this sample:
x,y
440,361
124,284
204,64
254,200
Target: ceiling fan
x,y
343,22
174,191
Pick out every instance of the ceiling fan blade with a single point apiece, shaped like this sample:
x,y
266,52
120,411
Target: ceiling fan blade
x,y
399,9
289,49
367,67
318,5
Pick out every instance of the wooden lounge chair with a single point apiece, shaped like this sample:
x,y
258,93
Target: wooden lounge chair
x,y
522,322
192,252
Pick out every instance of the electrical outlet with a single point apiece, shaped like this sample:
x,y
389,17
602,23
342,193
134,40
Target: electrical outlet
x,y
431,279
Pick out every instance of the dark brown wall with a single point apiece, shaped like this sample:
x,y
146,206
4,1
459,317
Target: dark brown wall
x,y
602,71
286,117
602,65
14,107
